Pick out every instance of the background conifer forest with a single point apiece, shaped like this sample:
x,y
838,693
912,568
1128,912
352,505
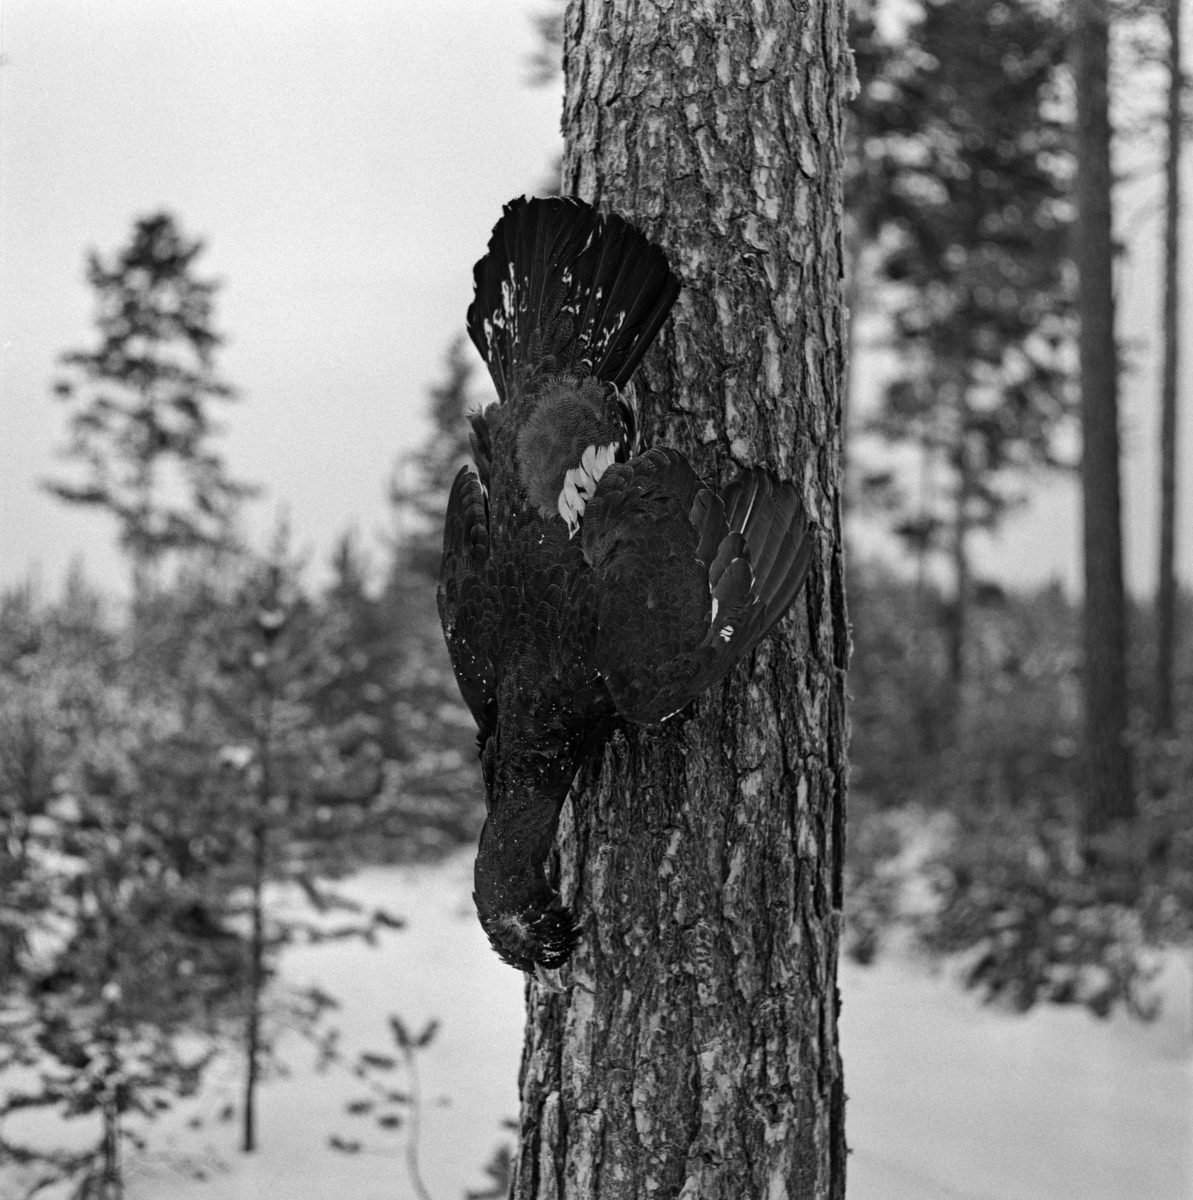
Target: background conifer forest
x,y
239,791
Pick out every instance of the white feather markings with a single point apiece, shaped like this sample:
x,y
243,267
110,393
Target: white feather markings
x,y
580,483
749,509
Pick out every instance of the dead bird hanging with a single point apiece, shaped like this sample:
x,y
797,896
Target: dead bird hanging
x,y
582,580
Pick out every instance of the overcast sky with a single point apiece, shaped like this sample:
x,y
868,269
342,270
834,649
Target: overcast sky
x,y
345,162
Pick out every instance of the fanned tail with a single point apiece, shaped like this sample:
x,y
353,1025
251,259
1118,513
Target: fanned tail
x,y
561,281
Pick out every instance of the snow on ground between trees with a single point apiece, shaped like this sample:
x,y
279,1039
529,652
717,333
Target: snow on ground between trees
x,y
948,1100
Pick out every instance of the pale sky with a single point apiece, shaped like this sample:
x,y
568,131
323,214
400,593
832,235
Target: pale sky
x,y
345,162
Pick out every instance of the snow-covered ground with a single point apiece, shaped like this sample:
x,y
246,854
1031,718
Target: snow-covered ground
x,y
439,967
948,1100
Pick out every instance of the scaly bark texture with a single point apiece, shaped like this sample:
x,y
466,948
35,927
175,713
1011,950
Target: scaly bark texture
x,y
1107,769
692,1051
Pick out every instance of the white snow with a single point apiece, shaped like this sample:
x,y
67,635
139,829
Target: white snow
x,y
439,966
952,1100
949,1100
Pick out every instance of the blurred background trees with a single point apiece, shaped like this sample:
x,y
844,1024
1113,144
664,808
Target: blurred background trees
x,y
140,402
1166,583
959,190
1107,783
180,792
994,731
181,784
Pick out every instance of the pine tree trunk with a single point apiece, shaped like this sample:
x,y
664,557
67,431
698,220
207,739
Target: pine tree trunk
x,y
256,987
853,245
1107,783
257,948
1166,590
693,1050
959,614
111,1185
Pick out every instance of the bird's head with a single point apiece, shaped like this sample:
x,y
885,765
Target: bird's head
x,y
526,922
542,934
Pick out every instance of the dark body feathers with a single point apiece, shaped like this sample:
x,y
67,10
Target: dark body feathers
x,y
582,582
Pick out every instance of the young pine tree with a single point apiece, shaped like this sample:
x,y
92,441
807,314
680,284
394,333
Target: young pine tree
x,y
140,402
116,965
693,1050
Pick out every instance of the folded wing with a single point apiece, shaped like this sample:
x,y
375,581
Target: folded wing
x,y
468,601
686,581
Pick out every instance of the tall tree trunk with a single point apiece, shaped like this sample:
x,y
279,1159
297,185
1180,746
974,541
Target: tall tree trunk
x,y
693,1049
1166,589
854,247
256,988
959,615
1107,769
257,947
111,1186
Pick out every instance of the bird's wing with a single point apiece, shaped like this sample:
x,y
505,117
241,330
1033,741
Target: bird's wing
x,y
687,581
468,604
561,282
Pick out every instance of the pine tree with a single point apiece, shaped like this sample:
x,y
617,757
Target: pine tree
x,y
419,488
118,969
1166,591
708,852
1107,767
436,777
306,780
141,427
959,188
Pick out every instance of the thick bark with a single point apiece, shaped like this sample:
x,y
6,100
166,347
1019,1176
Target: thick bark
x,y
693,1049
852,244
1107,783
1166,589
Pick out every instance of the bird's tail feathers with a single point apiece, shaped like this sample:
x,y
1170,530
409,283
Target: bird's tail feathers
x,y
561,281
